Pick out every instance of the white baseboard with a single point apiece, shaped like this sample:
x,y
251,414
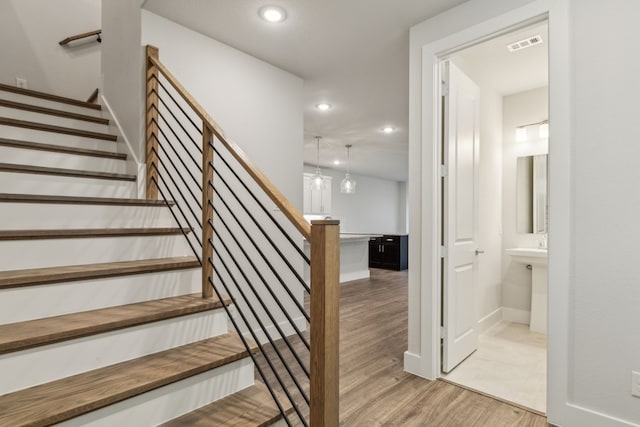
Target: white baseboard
x,y
142,180
141,168
576,415
413,364
489,320
354,275
121,133
516,315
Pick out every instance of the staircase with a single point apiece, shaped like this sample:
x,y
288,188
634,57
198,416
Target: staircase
x,y
102,319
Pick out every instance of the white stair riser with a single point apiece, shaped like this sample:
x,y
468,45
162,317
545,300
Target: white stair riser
x,y
23,254
32,135
171,401
43,216
55,299
32,116
25,183
59,360
24,99
52,159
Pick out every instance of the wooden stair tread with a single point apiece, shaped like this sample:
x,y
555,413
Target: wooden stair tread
x,y
41,276
57,129
42,170
250,407
75,200
52,112
76,395
28,145
88,232
50,97
32,333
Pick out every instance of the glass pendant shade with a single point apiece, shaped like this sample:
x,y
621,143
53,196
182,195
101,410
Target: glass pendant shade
x,y
347,185
316,180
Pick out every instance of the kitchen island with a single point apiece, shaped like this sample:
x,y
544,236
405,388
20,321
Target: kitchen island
x,y
354,257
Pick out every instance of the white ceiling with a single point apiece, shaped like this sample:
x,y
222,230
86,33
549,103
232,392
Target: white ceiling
x,y
353,54
506,72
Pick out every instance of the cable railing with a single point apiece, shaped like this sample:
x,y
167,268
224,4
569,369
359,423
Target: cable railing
x,y
279,272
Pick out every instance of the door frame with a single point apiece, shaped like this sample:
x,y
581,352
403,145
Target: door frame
x,y
423,356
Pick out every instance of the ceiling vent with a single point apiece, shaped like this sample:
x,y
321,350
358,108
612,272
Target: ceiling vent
x,y
525,43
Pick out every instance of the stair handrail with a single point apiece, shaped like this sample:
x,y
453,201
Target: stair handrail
x,y
323,237
267,186
82,36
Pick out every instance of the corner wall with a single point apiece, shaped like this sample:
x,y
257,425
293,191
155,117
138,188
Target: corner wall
x,y
123,69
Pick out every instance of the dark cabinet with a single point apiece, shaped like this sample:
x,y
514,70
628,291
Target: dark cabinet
x,y
389,251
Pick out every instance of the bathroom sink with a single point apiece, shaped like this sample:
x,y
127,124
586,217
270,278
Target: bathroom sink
x,y
537,258
533,256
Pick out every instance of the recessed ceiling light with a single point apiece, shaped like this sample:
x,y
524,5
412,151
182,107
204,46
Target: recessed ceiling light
x,y
388,129
336,162
272,13
323,106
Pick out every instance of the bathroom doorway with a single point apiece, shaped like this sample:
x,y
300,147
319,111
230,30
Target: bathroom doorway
x,y
494,221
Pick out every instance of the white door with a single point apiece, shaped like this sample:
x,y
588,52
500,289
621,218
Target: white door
x,y
460,145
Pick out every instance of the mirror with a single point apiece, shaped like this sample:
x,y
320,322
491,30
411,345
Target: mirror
x,y
531,194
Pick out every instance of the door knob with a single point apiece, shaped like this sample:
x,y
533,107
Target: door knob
x,y
478,252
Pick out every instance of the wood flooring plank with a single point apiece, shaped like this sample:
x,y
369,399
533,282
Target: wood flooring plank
x,y
75,200
23,335
375,391
72,396
52,112
57,129
89,232
251,407
40,170
28,145
48,96
41,276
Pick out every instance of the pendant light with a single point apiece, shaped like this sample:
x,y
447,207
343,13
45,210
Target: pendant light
x,y
348,185
316,178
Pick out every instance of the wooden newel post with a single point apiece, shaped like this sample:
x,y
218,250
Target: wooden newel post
x,y
151,124
207,210
325,310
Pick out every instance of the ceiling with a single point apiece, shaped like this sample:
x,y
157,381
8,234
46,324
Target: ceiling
x,y
506,72
352,54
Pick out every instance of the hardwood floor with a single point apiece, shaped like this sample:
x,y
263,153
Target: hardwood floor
x,y
374,389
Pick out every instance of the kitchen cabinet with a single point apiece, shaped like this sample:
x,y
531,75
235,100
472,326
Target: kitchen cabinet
x,y
317,201
389,252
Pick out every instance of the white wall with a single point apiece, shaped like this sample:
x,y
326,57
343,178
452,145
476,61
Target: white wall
x,y
606,207
376,207
123,69
518,109
258,105
594,339
30,31
488,280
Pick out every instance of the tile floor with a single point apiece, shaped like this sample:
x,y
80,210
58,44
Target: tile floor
x,y
510,363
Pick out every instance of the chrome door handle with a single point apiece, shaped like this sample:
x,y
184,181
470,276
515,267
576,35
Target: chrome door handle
x,y
478,252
